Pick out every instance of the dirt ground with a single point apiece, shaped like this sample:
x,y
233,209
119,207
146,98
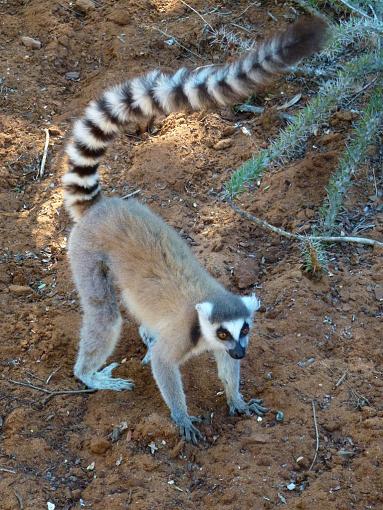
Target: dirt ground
x,y
316,343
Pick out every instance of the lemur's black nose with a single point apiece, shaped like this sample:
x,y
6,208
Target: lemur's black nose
x,y
238,352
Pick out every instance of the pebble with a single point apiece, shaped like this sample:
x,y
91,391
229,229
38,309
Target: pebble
x,y
85,5
225,143
256,438
72,75
55,131
122,17
29,42
20,289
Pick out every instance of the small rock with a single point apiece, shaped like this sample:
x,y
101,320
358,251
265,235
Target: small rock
x,y
72,75
279,416
20,289
346,454
99,445
225,143
117,431
29,42
228,131
55,131
85,5
122,17
257,438
306,362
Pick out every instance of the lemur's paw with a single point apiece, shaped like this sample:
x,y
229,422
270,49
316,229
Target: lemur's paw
x,y
254,406
187,430
103,380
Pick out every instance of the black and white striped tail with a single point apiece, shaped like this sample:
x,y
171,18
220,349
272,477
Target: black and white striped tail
x,y
157,93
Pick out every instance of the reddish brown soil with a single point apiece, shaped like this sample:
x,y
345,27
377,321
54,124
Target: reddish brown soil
x,y
46,448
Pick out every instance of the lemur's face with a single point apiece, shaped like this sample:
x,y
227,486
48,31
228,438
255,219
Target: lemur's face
x,y
231,335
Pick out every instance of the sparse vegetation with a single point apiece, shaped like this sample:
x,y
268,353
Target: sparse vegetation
x,y
342,82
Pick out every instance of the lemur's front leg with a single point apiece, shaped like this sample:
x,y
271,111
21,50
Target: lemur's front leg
x,y
228,372
168,379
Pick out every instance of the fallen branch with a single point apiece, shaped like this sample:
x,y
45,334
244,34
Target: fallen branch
x,y
44,158
198,14
316,435
19,500
6,470
177,43
132,194
353,8
341,379
298,237
50,393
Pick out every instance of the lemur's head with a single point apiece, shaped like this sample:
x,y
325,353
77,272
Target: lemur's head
x,y
225,322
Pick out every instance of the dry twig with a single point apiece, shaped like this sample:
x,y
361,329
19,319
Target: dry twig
x,y
50,393
355,9
290,235
51,375
177,43
129,195
341,379
198,14
44,158
19,499
6,470
316,435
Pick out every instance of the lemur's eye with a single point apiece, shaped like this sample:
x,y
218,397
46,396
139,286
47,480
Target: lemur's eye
x,y
245,329
223,334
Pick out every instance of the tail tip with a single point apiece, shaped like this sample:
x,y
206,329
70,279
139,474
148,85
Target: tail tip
x,y
305,37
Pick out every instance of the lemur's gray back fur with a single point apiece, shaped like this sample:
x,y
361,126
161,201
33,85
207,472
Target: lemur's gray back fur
x,y
157,93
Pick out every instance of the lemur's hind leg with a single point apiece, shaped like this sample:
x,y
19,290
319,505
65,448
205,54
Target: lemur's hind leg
x,y
228,372
149,339
101,324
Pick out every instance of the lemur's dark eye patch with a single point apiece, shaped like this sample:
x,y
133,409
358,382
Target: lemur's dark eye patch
x,y
223,334
245,329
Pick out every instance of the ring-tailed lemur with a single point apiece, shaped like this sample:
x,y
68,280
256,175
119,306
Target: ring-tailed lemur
x,y
118,243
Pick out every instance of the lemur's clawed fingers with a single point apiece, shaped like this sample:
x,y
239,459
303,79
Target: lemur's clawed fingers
x,y
255,401
190,433
256,408
195,419
247,408
103,380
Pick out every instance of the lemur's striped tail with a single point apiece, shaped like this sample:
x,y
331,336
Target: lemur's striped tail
x,y
157,93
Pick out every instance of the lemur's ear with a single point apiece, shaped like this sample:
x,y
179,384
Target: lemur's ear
x,y
204,309
252,303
